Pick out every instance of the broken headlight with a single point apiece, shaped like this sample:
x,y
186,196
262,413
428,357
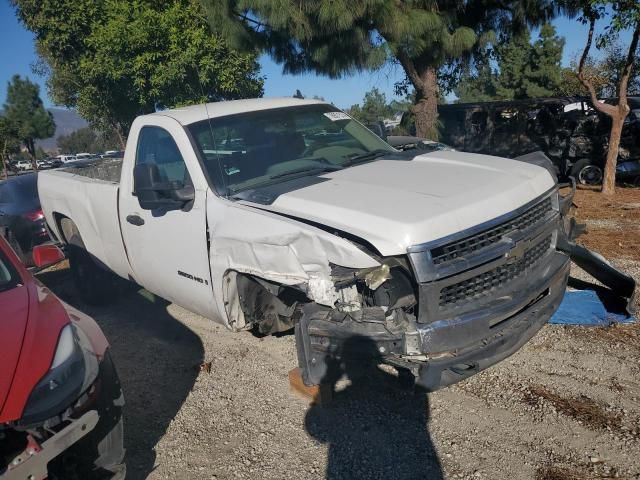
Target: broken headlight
x,y
73,369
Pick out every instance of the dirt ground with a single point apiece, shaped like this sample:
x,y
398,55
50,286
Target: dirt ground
x,y
565,407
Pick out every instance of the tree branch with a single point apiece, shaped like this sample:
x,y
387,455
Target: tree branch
x,y
410,69
626,72
603,107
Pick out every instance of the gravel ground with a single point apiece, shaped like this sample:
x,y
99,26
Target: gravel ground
x,y
565,407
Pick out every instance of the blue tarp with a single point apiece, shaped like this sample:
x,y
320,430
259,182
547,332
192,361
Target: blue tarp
x,y
584,307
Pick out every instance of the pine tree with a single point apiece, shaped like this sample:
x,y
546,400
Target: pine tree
x,y
337,38
25,111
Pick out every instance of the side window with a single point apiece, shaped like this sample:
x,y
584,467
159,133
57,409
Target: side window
x,y
157,146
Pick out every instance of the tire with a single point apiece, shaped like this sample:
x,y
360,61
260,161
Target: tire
x,y
95,285
587,173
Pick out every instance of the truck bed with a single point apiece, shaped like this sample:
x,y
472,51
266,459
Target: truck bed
x,y
107,169
88,195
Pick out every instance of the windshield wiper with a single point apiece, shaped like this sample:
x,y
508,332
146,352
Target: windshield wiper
x,y
364,157
307,170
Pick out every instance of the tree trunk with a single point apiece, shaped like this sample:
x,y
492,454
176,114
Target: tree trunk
x,y
426,109
31,149
609,180
122,137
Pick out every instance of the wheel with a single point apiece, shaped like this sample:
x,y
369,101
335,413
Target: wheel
x,y
95,285
586,173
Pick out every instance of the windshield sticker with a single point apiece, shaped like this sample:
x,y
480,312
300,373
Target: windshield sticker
x,y
231,170
335,116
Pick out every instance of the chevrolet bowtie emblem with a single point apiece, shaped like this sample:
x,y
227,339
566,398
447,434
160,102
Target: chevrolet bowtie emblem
x,y
517,252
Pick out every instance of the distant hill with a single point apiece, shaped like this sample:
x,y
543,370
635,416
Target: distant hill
x,y
67,121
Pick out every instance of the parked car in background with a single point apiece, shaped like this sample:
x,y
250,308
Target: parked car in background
x,y
21,218
55,162
66,158
113,154
85,156
23,165
60,396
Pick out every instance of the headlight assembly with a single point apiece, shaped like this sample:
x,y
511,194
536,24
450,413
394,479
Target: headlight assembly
x,y
73,369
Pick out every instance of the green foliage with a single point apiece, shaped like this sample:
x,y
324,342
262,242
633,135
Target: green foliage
x,y
9,142
524,70
87,140
604,74
116,59
40,153
337,37
25,111
479,86
374,107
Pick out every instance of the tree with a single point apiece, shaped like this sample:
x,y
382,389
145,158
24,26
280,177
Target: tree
x,y
339,38
622,15
543,73
40,153
9,142
87,140
82,140
524,70
25,111
571,85
479,85
116,59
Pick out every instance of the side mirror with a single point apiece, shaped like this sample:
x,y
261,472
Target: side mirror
x,y
153,192
46,255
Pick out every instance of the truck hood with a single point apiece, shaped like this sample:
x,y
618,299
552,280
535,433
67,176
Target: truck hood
x,y
396,203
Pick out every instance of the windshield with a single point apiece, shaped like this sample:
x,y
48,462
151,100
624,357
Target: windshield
x,y
260,148
8,276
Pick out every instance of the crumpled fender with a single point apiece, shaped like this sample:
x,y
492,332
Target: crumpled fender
x,y
275,248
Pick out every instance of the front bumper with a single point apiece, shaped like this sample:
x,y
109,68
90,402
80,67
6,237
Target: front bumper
x,y
481,295
492,343
90,445
33,463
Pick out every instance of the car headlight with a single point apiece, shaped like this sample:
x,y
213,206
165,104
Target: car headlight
x,y
73,369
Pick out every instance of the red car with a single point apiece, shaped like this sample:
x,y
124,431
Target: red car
x,y
60,396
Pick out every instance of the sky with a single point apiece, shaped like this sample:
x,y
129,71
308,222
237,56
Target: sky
x,y
17,54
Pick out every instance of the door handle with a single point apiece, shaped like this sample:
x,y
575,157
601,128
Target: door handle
x,y
136,220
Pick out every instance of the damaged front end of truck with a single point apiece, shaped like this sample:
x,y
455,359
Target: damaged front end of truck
x,y
444,311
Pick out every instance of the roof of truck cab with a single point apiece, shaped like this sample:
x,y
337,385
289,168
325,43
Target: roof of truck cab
x,y
196,113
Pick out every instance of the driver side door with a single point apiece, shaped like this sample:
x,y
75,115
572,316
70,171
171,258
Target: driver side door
x,y
167,247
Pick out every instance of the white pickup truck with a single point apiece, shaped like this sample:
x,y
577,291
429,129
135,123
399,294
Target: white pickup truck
x,y
280,213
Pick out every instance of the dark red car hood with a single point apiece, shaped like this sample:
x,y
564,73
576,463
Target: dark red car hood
x,y
31,318
14,304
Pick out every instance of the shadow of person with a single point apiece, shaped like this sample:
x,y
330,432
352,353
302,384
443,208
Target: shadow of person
x,y
376,427
156,358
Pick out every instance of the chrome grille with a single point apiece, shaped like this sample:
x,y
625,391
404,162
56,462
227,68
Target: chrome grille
x,y
487,282
470,244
